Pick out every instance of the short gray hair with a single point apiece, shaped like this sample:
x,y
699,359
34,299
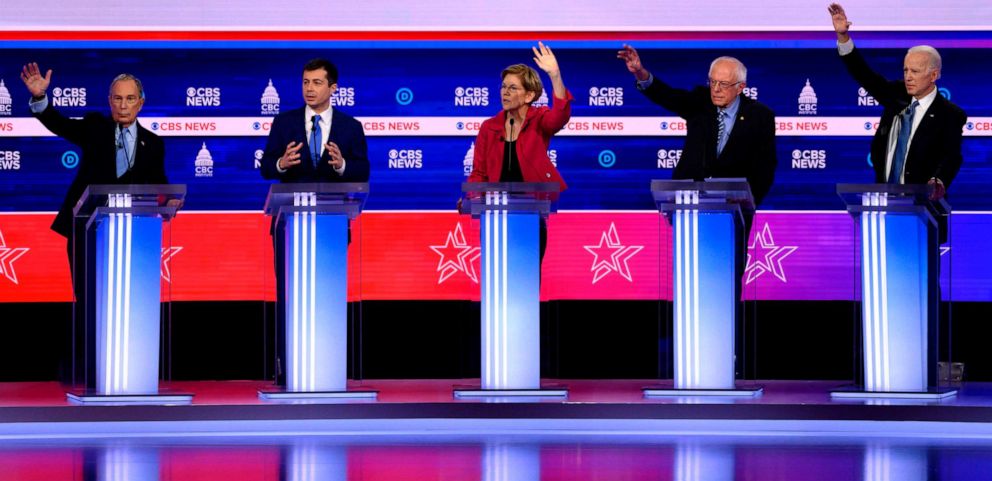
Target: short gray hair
x,y
935,63
741,69
124,77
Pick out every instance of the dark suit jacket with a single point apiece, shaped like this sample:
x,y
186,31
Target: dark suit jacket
x,y
346,132
935,149
750,149
94,134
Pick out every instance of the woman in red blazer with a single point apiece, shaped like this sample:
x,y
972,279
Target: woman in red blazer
x,y
512,146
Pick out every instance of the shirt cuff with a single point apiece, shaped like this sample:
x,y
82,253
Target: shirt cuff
x,y
38,106
845,48
643,84
278,169
341,170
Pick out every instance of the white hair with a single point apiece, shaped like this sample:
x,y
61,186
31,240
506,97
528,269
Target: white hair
x,y
126,76
741,69
931,53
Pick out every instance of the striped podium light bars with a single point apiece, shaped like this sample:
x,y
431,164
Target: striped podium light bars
x,y
899,256
313,222
706,220
511,278
126,223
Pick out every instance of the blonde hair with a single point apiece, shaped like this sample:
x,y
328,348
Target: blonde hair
x,y
528,77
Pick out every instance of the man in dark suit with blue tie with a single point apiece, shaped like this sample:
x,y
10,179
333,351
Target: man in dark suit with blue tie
x,y
115,150
316,143
313,143
918,140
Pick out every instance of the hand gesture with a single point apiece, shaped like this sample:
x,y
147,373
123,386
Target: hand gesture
x,y
36,84
633,62
841,25
545,59
291,157
336,159
937,189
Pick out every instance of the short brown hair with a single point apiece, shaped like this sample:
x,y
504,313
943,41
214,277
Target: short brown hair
x,y
528,77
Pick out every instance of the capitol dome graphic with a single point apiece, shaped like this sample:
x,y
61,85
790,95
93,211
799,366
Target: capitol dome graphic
x,y
270,100
807,99
204,164
469,158
5,98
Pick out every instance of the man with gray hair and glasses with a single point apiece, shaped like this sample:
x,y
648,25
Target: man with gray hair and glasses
x,y
115,150
918,140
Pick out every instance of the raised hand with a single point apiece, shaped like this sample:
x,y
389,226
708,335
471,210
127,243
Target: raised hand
x,y
36,84
839,17
545,59
633,61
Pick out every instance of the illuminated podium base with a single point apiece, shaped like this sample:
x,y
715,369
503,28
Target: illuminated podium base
x,y
476,393
92,398
277,394
671,391
856,392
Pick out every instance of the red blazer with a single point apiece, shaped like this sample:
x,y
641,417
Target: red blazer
x,y
532,144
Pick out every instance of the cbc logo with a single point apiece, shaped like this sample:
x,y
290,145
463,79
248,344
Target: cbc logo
x,y
69,96
406,158
343,97
669,158
203,97
471,96
809,159
606,96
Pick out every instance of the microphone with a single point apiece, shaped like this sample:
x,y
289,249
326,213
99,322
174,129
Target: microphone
x,y
512,148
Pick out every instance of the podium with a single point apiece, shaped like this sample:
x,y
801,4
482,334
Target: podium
x,y
313,221
510,214
707,229
898,230
123,291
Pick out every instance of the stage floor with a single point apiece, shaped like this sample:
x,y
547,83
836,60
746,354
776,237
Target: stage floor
x,y
428,406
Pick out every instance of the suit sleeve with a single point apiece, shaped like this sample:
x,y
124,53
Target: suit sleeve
x,y
356,157
73,130
275,146
557,117
876,85
683,103
159,174
479,165
951,138
762,174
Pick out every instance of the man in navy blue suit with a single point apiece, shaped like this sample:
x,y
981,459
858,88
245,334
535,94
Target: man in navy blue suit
x,y
316,143
313,143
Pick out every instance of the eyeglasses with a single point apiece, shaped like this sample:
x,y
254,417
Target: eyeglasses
x,y
129,100
722,85
511,88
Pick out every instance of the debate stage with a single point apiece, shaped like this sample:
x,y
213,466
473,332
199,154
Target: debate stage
x,y
39,410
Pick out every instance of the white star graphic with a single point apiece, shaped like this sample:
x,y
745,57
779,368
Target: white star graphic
x,y
7,257
167,254
456,256
611,256
945,249
771,259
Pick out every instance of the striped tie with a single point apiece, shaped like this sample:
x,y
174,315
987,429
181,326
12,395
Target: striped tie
x,y
721,128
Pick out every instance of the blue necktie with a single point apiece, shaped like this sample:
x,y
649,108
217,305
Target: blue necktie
x,y
902,143
721,130
315,136
123,156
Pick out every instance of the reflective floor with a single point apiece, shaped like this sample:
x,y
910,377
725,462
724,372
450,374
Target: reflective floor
x,y
498,458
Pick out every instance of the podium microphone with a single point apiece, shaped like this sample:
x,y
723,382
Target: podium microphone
x,y
512,147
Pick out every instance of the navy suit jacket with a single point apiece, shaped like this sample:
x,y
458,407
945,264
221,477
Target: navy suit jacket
x,y
750,149
935,149
94,134
346,132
